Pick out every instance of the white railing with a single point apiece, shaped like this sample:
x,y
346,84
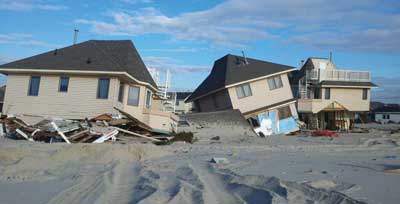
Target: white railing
x,y
339,75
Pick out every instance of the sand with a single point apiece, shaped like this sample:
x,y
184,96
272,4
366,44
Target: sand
x,y
354,168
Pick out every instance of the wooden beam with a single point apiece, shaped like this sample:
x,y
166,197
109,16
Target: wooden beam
x,y
78,135
24,135
60,133
136,134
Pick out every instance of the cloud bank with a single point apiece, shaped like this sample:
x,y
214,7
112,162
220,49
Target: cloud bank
x,y
358,25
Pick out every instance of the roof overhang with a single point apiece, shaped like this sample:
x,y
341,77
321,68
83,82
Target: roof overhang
x,y
124,75
339,86
239,83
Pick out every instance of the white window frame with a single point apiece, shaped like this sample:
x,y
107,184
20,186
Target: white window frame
x,y
241,91
138,96
149,100
274,82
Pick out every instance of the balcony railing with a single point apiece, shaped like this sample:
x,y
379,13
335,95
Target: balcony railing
x,y
339,75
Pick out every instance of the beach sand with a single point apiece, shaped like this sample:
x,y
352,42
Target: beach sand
x,y
354,168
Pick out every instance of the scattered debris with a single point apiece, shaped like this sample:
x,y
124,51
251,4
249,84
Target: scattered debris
x,y
219,160
215,138
99,129
326,133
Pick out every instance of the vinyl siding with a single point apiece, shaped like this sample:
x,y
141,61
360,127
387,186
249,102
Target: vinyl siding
x,y
79,102
261,95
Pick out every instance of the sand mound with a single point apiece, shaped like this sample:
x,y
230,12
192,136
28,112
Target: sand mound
x,y
26,161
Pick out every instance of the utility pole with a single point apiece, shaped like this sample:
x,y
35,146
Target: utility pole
x,y
76,31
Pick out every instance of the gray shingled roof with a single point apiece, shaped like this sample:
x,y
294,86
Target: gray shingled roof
x,y
348,83
231,69
92,55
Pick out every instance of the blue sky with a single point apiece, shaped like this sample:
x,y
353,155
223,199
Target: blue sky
x,y
188,36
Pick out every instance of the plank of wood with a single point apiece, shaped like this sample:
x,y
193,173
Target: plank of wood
x,y
136,134
88,137
24,135
60,133
78,135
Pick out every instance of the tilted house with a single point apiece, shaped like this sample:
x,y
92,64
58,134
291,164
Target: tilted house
x,y
82,81
329,98
259,89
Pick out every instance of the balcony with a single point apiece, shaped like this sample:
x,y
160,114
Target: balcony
x,y
339,75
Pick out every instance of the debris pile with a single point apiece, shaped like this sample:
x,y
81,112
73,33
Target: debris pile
x,y
121,128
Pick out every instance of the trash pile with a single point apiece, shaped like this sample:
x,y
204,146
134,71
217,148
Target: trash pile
x,y
122,128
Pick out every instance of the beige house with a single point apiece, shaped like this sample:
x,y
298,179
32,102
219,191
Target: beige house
x,y
259,89
82,81
329,98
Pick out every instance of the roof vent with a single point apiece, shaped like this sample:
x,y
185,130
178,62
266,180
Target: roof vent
x,y
55,51
245,59
88,61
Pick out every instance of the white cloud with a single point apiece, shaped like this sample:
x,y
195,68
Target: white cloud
x,y
27,5
23,39
347,25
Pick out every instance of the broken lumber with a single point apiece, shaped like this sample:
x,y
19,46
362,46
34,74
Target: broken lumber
x,y
59,132
24,135
136,134
106,137
138,122
78,135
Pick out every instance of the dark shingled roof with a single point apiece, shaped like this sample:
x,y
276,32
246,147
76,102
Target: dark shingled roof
x,y
232,69
92,55
348,83
388,108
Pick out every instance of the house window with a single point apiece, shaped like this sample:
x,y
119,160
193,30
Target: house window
x,y
133,96
284,112
243,91
327,93
102,88
365,94
121,92
317,93
34,84
386,116
148,99
64,81
275,82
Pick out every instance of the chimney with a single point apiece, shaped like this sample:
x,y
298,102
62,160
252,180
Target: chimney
x,y
75,35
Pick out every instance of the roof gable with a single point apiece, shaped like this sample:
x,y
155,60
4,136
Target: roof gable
x,y
92,55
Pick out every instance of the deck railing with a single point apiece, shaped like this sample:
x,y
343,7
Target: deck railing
x,y
339,75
